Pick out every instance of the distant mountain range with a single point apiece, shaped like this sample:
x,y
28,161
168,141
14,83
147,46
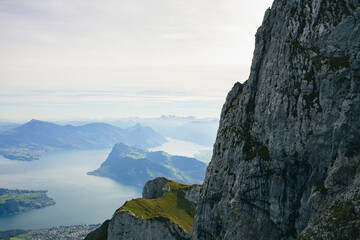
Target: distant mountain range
x,y
197,130
201,131
131,165
35,138
4,126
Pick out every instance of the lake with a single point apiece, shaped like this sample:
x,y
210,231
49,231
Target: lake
x,y
80,198
182,148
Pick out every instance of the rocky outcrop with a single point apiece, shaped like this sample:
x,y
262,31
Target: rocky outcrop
x,y
155,188
125,225
166,211
286,158
192,194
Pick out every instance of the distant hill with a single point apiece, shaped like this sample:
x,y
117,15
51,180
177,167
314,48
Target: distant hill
x,y
17,201
197,130
35,138
202,132
131,165
4,126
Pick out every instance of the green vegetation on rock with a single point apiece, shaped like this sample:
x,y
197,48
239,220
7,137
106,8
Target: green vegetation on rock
x,y
171,205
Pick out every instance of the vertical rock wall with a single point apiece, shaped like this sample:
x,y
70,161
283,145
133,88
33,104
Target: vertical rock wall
x,y
289,137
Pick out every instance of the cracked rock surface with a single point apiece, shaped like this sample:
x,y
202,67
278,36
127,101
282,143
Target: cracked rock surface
x,y
286,159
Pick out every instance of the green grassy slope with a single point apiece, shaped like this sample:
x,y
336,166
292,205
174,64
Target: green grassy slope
x,y
171,205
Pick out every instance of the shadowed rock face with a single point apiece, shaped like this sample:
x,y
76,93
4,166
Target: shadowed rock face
x,y
286,157
155,188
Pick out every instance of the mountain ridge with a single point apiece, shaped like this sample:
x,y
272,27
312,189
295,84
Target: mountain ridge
x,y
131,165
35,138
165,211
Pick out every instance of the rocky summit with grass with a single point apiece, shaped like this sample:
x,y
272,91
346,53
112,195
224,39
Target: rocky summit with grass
x,y
166,211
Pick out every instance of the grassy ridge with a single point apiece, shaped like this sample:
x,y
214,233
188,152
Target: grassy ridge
x,y
172,205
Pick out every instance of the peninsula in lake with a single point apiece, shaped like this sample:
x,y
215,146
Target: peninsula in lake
x,y
135,166
17,201
33,139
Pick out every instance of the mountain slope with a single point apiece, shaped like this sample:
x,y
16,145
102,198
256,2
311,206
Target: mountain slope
x,y
166,211
35,138
131,165
287,152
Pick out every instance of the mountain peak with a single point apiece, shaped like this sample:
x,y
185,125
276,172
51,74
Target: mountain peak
x,y
37,123
34,121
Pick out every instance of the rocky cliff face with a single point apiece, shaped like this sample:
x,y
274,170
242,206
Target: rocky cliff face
x,y
125,225
155,188
286,158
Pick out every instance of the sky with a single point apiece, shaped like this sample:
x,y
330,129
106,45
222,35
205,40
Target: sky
x,y
94,59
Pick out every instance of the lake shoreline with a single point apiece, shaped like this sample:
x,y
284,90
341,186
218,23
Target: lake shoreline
x,y
64,175
19,201
72,232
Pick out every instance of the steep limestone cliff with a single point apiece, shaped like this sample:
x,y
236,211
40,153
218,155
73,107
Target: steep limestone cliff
x,y
286,158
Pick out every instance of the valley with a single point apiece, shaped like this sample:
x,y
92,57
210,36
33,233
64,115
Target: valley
x,y
64,175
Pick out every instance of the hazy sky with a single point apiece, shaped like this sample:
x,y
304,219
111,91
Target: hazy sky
x,y
86,59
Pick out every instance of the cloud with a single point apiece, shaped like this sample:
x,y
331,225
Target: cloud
x,y
145,98
111,51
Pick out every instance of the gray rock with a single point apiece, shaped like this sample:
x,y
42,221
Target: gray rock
x,y
192,194
288,147
124,225
155,188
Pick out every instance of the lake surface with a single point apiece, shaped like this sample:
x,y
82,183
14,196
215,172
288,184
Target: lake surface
x,y
182,148
80,198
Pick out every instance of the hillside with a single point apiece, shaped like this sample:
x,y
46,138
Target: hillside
x,y
166,211
17,201
131,165
35,138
